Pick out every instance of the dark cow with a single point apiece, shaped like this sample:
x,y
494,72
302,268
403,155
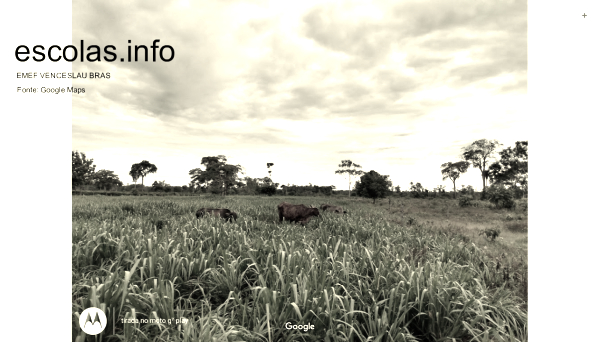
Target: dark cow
x,y
296,212
227,214
333,208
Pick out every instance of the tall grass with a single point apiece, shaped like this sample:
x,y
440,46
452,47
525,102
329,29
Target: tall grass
x,y
356,277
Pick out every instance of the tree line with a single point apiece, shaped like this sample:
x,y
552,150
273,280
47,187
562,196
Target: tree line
x,y
508,175
215,175
509,172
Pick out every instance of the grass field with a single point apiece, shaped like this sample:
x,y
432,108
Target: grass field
x,y
399,270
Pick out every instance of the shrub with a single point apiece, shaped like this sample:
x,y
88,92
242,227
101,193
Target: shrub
x,y
160,223
446,195
135,192
482,204
469,190
268,190
517,227
501,197
465,201
490,234
128,208
522,204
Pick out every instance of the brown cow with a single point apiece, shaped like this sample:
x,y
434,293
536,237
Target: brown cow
x,y
296,212
334,208
227,214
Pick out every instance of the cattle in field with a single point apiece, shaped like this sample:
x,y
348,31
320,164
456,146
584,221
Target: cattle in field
x,y
296,212
226,214
333,208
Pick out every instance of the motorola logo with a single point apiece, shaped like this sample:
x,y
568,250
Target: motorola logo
x,y
92,321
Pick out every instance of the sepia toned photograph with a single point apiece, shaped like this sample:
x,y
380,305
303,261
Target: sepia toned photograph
x,y
299,171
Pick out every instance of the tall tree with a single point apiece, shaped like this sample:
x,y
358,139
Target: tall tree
x,y
217,174
373,185
269,168
351,169
479,154
143,168
135,174
453,171
105,179
512,168
82,169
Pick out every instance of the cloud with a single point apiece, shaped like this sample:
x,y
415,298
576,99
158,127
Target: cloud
x,y
388,84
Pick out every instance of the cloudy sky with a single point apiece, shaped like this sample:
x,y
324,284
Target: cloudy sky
x,y
395,86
